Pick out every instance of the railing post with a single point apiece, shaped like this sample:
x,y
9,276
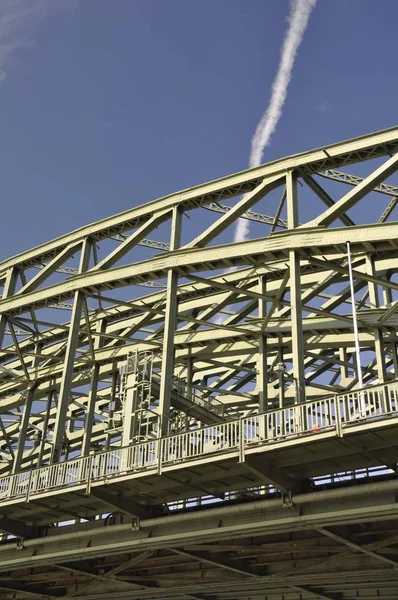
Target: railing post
x,y
241,441
262,430
11,485
90,466
28,486
160,454
386,399
339,425
80,472
124,462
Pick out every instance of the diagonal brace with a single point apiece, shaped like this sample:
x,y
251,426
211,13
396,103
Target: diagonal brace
x,y
355,195
237,211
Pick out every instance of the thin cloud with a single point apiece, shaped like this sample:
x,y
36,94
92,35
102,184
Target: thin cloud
x,y
299,14
324,108
17,19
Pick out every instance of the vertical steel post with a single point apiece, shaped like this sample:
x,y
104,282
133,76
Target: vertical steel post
x,y
190,392
9,289
67,373
190,363
262,369
344,373
131,395
92,395
377,332
354,318
25,419
295,293
45,430
279,368
89,416
387,301
170,324
23,430
356,334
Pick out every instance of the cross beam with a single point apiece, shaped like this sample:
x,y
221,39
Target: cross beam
x,y
271,475
125,505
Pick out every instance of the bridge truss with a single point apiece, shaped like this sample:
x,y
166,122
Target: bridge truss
x,y
184,416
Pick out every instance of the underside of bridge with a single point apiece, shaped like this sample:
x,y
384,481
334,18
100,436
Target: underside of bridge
x,y
190,411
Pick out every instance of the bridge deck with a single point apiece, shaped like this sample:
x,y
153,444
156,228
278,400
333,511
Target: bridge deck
x,y
285,448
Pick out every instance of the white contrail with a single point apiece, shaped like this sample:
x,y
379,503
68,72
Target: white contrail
x,y
299,14
17,17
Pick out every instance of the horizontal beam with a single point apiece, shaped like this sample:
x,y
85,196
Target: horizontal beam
x,y
314,242
325,508
17,528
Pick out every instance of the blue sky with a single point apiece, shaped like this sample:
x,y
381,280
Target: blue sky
x,y
117,102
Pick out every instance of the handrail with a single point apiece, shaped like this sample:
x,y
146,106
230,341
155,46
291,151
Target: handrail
x,y
313,417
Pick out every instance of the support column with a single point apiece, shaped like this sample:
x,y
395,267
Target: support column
x,y
394,352
9,290
115,401
190,371
344,372
130,405
295,293
25,418
190,393
16,466
67,373
281,375
262,368
377,332
170,323
387,301
43,441
387,296
92,396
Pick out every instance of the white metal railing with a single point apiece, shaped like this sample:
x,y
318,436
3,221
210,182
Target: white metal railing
x,y
368,404
314,417
196,443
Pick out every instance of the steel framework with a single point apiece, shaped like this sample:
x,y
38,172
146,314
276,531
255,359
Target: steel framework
x,y
217,420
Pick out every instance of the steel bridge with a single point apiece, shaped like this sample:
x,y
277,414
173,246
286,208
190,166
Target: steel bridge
x,y
187,417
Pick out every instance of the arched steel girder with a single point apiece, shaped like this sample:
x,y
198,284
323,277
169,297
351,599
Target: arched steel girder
x,y
221,332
